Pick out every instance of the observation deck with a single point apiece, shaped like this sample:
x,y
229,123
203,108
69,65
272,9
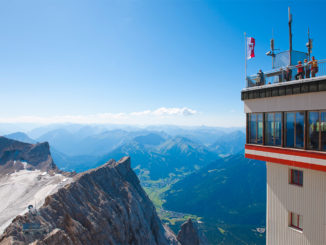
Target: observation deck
x,y
286,120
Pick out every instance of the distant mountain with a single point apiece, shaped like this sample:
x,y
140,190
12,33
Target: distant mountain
x,y
231,143
203,134
231,190
150,139
173,156
20,136
85,142
77,163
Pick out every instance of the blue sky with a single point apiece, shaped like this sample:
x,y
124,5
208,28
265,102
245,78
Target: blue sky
x,y
138,61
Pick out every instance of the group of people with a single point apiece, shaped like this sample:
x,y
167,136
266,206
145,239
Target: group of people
x,y
303,70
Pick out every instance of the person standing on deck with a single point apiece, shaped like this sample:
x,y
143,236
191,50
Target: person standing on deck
x,y
306,68
314,66
288,74
260,78
300,74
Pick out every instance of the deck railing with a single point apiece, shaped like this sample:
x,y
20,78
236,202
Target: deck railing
x,y
280,75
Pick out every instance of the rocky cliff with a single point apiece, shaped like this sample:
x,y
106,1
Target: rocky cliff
x,y
15,156
190,234
105,205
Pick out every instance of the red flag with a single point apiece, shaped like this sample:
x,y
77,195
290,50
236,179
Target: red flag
x,y
250,47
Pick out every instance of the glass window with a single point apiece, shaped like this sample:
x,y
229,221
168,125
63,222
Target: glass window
x,y
294,129
278,129
253,127
313,130
299,129
323,130
296,221
269,122
290,122
256,128
296,177
260,128
273,128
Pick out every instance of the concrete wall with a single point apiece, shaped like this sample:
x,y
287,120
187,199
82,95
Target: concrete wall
x,y
308,201
300,102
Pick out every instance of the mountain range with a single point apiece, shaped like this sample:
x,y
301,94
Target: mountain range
x,y
105,205
183,175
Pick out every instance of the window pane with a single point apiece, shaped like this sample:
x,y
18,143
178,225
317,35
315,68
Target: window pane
x,y
300,178
313,127
260,128
300,221
294,221
299,129
323,130
278,128
289,129
296,177
269,122
253,126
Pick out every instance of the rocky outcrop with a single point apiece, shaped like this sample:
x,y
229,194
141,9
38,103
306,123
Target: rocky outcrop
x,y
105,205
190,235
15,156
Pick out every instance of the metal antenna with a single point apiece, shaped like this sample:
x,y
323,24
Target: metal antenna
x,y
272,48
290,36
309,45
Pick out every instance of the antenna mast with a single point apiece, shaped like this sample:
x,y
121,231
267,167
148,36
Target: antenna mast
x,y
309,45
290,36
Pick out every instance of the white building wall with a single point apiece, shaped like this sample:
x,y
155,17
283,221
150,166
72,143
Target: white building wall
x,y
308,201
298,102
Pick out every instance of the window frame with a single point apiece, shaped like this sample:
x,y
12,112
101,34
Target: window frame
x,y
283,128
294,129
249,139
265,116
319,133
291,181
299,225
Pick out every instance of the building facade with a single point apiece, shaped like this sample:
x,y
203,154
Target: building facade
x,y
286,128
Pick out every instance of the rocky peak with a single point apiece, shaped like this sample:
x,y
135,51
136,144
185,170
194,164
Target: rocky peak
x,y
105,205
15,155
189,234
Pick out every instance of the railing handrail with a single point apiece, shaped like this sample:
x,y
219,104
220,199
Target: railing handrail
x,y
290,67
278,75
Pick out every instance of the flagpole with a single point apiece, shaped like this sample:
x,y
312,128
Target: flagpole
x,y
245,37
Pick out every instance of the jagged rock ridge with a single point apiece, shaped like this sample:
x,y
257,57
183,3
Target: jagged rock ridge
x,y
189,234
105,205
15,155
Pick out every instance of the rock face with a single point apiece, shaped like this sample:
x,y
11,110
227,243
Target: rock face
x,y
190,235
105,205
15,156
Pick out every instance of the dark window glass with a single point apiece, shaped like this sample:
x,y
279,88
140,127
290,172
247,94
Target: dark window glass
x,y
323,129
260,128
256,128
253,128
269,128
290,122
273,128
313,130
299,129
296,177
278,129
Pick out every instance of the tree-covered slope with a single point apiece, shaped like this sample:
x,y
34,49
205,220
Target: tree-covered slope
x,y
231,190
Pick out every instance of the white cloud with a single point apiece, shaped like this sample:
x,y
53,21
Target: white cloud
x,y
174,111
160,115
